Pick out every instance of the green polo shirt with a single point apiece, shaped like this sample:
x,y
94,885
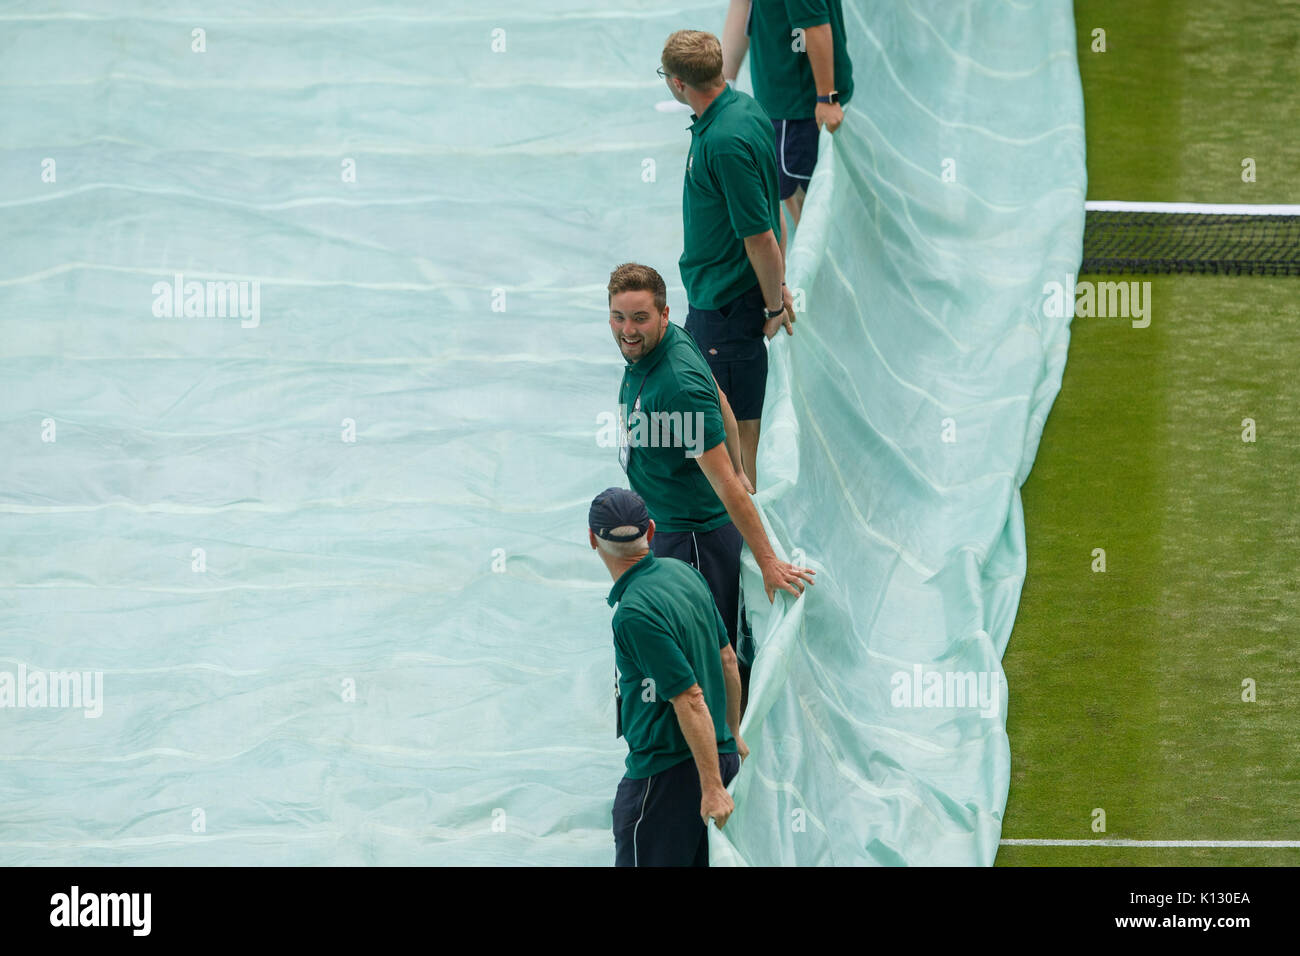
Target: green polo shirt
x,y
670,405
668,635
781,71
730,191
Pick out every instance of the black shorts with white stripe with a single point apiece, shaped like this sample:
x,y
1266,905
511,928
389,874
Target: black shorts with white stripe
x,y
796,153
657,818
716,555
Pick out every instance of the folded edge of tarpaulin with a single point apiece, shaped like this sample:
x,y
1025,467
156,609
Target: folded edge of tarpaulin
x,y
900,421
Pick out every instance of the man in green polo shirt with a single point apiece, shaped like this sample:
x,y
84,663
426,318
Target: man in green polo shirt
x,y
678,693
674,448
732,261
802,77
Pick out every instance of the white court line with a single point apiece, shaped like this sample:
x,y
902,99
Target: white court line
x,y
1155,843
1209,209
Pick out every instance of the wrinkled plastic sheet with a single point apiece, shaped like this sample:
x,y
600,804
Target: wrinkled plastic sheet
x,y
331,565
900,423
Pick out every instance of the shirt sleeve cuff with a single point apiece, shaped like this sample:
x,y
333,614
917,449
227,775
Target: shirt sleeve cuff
x,y
684,685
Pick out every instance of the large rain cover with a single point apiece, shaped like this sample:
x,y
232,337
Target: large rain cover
x,y
325,552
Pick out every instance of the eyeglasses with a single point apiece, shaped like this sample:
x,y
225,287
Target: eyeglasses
x,y
662,74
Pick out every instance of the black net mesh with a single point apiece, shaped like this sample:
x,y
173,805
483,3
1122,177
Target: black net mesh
x,y
1141,242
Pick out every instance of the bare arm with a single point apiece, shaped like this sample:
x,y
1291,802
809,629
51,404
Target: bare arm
x,y
697,727
821,57
782,245
733,437
717,467
731,677
735,44
767,256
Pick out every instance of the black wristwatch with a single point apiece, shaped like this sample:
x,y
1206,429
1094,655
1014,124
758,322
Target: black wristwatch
x,y
772,313
832,97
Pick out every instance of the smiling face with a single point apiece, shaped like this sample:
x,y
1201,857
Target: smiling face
x,y
637,325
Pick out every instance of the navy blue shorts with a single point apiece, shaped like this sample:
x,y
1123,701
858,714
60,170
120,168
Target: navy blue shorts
x,y
657,819
731,341
796,153
716,555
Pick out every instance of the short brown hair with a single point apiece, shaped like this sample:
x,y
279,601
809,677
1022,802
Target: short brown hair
x,y
694,57
634,277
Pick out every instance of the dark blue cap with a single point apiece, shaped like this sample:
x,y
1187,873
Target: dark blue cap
x,y
617,508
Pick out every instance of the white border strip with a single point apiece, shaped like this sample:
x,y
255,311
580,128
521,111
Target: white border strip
x,y
1207,209
1156,843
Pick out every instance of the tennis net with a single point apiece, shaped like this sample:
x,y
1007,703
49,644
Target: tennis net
x,y
1188,237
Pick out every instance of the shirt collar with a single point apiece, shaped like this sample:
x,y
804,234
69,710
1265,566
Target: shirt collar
x,y
711,113
616,592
